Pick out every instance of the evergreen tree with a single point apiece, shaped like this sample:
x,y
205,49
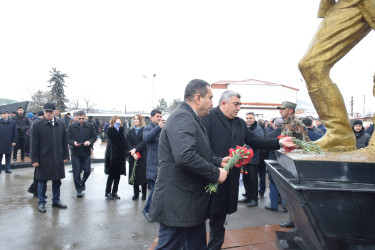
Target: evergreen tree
x,y
162,106
57,89
174,104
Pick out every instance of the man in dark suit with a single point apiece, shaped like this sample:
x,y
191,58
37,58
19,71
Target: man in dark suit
x,y
225,130
186,165
81,136
271,155
49,151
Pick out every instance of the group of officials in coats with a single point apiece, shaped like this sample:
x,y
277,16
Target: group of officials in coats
x,y
193,148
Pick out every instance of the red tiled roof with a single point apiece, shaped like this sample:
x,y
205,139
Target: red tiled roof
x,y
261,104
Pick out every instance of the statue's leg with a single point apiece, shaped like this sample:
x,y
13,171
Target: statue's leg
x,y
338,33
371,144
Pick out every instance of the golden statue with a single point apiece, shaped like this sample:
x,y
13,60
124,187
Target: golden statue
x,y
345,24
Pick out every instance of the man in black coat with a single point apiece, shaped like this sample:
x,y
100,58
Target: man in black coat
x,y
180,202
225,130
250,180
8,137
81,137
23,124
49,151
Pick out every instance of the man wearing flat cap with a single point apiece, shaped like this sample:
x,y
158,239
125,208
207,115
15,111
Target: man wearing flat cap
x,y
8,135
49,151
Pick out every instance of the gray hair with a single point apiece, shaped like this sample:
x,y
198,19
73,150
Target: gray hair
x,y
81,112
227,94
279,122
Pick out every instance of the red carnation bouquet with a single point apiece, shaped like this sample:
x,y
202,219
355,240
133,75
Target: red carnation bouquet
x,y
307,147
240,157
132,177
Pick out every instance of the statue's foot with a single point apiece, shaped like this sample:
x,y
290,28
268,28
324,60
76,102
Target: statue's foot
x,y
337,143
369,150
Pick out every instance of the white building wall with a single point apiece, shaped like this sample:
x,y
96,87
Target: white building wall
x,y
259,93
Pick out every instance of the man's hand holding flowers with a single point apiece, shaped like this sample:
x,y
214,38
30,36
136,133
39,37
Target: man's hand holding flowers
x,y
287,142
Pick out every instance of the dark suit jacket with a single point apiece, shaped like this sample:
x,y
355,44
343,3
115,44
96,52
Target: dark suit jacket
x,y
185,167
88,134
225,134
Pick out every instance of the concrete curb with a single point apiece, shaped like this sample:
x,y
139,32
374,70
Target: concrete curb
x,y
28,164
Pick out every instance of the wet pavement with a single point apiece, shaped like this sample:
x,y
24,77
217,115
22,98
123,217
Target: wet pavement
x,y
91,222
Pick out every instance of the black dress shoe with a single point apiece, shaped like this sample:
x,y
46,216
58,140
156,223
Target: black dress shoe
x,y
244,200
59,205
8,171
143,197
252,203
42,208
30,190
109,196
135,197
288,224
271,209
115,196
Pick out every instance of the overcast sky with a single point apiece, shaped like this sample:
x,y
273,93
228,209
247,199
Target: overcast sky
x,y
106,47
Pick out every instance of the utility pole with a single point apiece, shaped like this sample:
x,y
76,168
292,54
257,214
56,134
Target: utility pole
x,y
351,107
364,102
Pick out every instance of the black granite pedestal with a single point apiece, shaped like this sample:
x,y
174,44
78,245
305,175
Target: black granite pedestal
x,y
330,198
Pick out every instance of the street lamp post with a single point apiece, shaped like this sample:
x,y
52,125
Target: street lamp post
x,y
152,89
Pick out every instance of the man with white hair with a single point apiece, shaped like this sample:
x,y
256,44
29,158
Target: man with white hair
x,y
225,130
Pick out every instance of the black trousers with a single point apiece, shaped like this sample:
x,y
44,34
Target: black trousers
x,y
250,182
136,189
115,179
20,144
187,238
217,231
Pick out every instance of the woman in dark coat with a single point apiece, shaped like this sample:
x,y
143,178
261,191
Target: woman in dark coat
x,y
135,143
114,165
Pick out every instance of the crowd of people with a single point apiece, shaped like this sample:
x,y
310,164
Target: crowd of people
x,y
175,158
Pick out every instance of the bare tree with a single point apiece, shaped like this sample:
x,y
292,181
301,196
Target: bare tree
x,y
88,104
74,104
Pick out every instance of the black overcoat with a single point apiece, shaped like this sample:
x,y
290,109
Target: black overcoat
x,y
134,140
115,151
8,135
225,134
185,167
49,147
